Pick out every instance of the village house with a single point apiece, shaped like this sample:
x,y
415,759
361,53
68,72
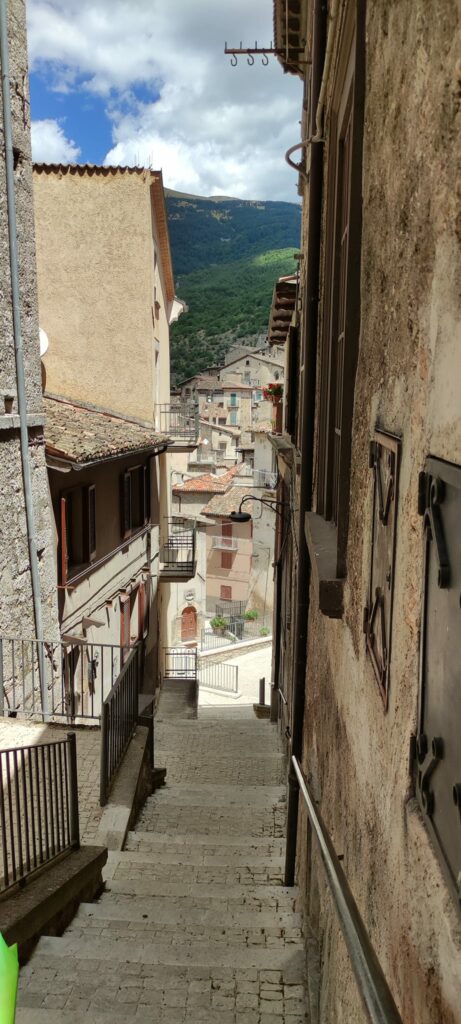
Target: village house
x,y
106,300
366,624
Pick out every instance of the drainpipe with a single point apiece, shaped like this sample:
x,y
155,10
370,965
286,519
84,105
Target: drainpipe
x,y
311,299
18,347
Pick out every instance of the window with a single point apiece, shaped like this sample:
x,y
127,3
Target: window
x,y
222,446
340,308
222,422
233,418
233,398
134,488
77,530
226,593
226,541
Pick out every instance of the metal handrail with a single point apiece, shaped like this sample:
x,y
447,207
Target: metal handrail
x,y
375,993
119,715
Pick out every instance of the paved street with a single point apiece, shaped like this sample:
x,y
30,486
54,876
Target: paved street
x,y
195,925
252,665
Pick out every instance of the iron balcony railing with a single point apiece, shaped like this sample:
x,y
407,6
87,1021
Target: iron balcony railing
x,y
118,721
178,554
235,631
179,663
76,677
224,543
262,478
208,455
38,807
233,405
219,676
179,422
375,993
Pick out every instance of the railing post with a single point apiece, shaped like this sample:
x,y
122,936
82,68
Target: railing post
x,y
262,690
103,772
73,791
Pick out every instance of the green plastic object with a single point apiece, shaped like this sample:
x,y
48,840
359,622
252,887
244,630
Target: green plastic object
x,y
9,971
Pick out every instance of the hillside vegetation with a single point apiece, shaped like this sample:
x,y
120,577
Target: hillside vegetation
x,y
227,255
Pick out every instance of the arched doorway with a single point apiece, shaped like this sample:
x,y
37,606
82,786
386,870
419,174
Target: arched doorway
x,y
188,623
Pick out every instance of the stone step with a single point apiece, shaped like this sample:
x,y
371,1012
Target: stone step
x,y
171,933
203,954
212,845
54,990
214,795
135,865
169,820
256,897
194,856
187,912
261,769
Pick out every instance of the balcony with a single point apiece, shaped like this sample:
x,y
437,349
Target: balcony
x,y
262,478
233,404
178,561
180,424
224,543
205,455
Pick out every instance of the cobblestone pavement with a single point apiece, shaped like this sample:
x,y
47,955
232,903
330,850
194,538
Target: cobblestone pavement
x,y
195,925
16,733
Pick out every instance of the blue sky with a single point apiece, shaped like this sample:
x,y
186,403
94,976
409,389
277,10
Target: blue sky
x,y
146,82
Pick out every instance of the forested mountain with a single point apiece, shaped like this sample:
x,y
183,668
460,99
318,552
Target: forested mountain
x,y
227,255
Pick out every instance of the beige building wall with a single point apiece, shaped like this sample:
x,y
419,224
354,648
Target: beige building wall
x,y
102,288
237,576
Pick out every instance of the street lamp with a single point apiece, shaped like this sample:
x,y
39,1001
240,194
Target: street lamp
x,y
244,517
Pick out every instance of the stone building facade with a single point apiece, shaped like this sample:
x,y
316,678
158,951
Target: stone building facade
x,y
16,603
367,594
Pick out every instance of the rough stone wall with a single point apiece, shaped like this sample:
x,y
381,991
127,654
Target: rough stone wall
x,y
16,607
409,368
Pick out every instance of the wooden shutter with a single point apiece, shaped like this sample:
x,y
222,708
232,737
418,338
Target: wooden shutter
x,y
226,559
63,536
141,610
89,523
125,505
226,593
125,619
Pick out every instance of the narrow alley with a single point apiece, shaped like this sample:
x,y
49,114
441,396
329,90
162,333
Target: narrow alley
x,y
194,925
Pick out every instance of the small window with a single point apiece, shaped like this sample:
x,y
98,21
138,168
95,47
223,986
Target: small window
x,y
247,362
233,418
226,593
134,491
276,375
77,530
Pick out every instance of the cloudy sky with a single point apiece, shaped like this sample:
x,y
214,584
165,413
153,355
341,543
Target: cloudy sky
x,y
147,82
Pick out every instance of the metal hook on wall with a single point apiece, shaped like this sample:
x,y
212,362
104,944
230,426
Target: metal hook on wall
x,y
265,60
250,59
234,60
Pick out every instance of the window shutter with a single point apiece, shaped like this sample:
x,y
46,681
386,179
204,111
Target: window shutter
x,y
145,494
141,610
89,523
63,539
125,504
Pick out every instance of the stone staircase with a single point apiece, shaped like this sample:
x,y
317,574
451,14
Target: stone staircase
x,y
195,924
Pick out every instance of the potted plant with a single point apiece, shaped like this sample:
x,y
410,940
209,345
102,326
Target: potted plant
x,y
219,624
273,393
250,616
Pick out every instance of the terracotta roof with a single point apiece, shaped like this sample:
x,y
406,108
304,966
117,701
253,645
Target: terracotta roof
x,y
80,435
208,483
224,504
283,306
154,178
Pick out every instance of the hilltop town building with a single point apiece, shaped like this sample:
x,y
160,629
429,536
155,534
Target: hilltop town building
x,y
367,595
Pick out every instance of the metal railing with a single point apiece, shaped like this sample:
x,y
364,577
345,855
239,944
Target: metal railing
x,y
262,478
177,555
38,807
224,543
119,717
78,675
236,630
219,676
179,663
375,993
179,422
209,455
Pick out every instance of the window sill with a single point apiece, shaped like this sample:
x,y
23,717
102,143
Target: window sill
x,y
321,540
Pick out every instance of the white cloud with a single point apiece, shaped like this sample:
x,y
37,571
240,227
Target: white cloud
x,y
50,145
211,128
